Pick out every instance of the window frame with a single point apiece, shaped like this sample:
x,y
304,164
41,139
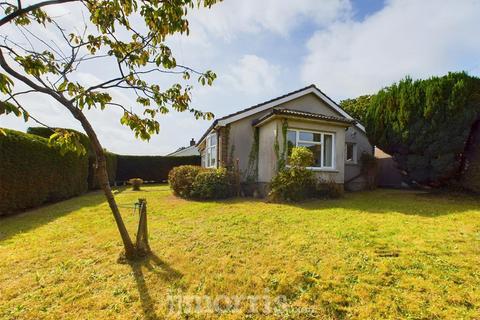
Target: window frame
x,y
209,149
322,146
354,153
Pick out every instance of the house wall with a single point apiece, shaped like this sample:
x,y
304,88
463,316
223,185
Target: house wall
x,y
267,159
357,136
240,140
241,132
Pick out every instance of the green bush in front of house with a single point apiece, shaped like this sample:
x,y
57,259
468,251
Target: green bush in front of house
x,y
295,182
181,179
194,182
32,172
212,184
329,189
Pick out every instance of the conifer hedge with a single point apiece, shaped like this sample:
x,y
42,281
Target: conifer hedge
x,y
32,172
150,168
111,158
425,124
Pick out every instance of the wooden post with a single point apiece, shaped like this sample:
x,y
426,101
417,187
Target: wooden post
x,y
142,244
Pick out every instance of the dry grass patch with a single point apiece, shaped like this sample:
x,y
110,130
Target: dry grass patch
x,y
381,254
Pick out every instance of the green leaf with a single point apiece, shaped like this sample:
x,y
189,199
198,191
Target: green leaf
x,y
62,86
6,84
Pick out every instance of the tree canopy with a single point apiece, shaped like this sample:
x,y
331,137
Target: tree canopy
x,y
130,37
130,33
424,124
357,107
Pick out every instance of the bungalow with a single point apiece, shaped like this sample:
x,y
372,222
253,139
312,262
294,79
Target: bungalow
x,y
256,138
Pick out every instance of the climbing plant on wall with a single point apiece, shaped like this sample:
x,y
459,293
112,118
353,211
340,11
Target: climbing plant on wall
x,y
252,168
281,156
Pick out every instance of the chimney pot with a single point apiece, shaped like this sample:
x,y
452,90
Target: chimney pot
x,y
192,142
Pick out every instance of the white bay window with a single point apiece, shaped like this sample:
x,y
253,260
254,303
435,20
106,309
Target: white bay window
x,y
322,145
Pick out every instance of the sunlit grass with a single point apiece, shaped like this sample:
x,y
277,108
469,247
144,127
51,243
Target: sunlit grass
x,y
381,254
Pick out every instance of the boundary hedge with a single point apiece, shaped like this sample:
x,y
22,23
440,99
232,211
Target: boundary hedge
x,y
32,172
150,168
84,140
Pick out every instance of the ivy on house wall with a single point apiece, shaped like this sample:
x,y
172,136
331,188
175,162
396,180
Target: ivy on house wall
x,y
281,157
252,168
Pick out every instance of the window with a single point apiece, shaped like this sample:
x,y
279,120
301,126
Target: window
x,y
321,144
350,153
211,151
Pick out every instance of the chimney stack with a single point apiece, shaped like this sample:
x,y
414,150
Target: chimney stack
x,y
192,142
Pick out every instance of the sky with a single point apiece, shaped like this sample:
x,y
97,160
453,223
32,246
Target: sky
x,y
263,49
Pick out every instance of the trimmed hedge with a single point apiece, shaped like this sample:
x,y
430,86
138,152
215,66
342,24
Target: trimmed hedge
x,y
32,172
150,168
181,179
212,184
47,132
111,158
194,182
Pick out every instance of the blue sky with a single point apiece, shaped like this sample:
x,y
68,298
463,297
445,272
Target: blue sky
x,y
263,49
364,8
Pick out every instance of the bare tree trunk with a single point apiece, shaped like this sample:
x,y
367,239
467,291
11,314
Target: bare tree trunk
x,y
102,175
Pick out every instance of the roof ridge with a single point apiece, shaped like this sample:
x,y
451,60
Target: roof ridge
x,y
214,123
300,113
268,101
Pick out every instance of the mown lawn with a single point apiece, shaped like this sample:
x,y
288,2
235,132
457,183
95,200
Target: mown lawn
x,y
380,254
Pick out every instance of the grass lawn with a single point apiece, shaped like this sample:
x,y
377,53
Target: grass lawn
x,y
380,254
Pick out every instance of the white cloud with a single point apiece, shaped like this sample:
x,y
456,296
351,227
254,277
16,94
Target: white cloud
x,y
230,17
252,74
407,37
254,48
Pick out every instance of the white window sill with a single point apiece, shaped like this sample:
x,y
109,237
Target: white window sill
x,y
318,169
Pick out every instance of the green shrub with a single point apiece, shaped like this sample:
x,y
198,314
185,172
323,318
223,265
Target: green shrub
x,y
294,183
212,184
301,157
136,183
32,172
329,189
181,179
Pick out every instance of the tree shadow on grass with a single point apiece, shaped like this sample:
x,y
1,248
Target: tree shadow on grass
x,y
160,269
31,219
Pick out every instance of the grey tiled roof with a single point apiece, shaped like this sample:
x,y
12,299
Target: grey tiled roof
x,y
302,114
